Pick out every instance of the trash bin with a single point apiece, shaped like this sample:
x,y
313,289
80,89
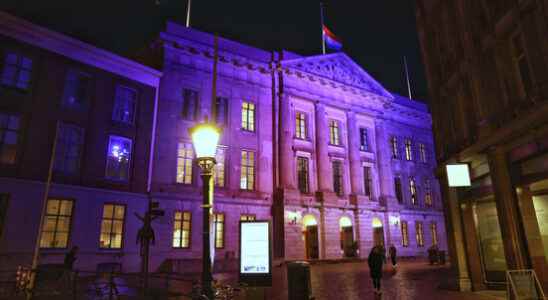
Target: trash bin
x,y
441,257
298,281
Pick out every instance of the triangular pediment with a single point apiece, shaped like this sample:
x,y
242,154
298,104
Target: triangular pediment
x,y
340,68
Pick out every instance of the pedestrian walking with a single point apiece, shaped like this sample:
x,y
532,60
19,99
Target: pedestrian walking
x,y
70,258
393,255
375,260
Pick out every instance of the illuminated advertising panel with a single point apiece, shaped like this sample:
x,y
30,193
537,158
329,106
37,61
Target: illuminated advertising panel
x,y
255,252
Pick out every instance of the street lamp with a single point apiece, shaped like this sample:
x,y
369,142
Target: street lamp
x,y
205,137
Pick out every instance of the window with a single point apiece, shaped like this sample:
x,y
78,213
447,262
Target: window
x,y
9,136
4,198
17,71
427,193
300,125
247,217
398,189
302,174
247,176
56,227
221,110
248,116
118,158
408,150
413,190
112,226
337,177
76,89
434,231
522,65
185,154
367,181
219,221
404,234
125,102
219,173
419,233
394,147
190,105
364,142
70,141
181,229
334,132
422,152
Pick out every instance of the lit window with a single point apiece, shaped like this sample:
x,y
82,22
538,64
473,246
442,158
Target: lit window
x,y
219,221
522,64
408,150
364,143
9,136
247,217
367,181
16,71
398,189
434,231
248,116
221,110
125,102
419,233
413,190
300,125
334,138
56,228
422,151
70,140
404,234
76,89
219,173
247,176
112,226
181,229
118,158
337,177
185,154
190,105
394,147
302,174
427,193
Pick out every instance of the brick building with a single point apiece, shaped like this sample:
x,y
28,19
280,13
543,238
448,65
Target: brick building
x,y
487,69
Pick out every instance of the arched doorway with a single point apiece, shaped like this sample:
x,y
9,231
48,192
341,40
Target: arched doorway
x,y
347,237
310,232
378,232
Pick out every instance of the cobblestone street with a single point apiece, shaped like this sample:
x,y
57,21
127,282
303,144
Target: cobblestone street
x,y
414,280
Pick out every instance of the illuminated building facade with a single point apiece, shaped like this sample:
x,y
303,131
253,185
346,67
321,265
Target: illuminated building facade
x,y
487,69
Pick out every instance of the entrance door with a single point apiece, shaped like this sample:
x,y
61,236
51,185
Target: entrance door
x,y
378,236
347,241
311,241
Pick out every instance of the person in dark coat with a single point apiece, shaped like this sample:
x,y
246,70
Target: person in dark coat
x,y
393,255
375,261
70,258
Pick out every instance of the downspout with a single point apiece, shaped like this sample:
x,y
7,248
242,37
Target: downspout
x,y
153,139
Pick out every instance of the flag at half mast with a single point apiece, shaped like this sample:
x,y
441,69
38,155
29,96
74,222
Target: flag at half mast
x,y
331,40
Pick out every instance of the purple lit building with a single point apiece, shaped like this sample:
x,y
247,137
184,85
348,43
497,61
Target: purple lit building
x,y
316,145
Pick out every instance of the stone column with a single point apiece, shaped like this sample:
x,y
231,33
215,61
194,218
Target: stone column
x,y
386,178
325,176
532,235
471,246
507,210
356,178
287,160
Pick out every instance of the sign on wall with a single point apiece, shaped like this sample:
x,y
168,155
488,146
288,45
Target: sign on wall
x,y
255,253
458,175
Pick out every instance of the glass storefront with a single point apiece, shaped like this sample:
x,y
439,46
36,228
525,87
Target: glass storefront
x,y
541,210
490,239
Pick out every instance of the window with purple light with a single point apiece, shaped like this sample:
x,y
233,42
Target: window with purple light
x,y
118,158
124,105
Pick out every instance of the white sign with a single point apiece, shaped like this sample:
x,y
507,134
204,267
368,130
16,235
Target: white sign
x,y
255,248
458,175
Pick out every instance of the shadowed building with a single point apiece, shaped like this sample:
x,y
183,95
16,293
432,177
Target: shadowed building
x,y
487,69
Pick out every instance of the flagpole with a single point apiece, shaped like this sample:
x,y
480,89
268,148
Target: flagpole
x,y
407,77
321,20
188,13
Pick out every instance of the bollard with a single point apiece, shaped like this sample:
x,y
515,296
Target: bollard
x,y
298,281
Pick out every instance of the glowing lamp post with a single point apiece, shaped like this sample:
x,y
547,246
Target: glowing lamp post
x,y
205,137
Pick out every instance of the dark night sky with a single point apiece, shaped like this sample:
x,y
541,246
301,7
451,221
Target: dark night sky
x,y
376,34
